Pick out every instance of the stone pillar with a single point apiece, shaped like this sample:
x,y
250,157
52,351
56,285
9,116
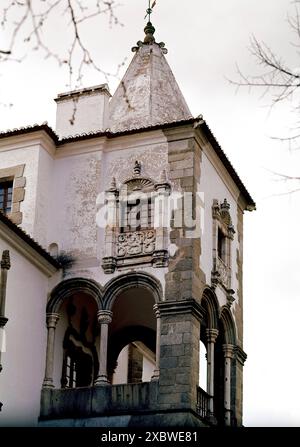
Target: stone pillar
x,y
179,362
51,320
211,335
104,318
228,356
158,331
109,260
5,266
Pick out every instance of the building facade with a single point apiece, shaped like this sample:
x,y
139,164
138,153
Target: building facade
x,y
136,298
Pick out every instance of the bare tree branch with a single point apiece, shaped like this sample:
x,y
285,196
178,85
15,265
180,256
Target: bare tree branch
x,y
277,78
29,21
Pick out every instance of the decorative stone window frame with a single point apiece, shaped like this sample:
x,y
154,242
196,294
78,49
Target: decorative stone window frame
x,y
15,174
222,225
145,246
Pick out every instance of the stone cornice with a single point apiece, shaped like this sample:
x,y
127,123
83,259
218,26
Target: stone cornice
x,y
27,141
240,355
173,131
81,147
181,307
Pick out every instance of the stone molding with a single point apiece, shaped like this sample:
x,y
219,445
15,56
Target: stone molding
x,y
211,335
240,355
222,222
229,351
143,246
191,306
52,320
15,173
104,316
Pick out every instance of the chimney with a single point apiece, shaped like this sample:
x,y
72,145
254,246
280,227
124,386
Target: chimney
x,y
82,111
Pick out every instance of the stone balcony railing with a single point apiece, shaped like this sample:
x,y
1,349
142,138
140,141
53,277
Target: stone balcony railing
x,y
202,403
81,403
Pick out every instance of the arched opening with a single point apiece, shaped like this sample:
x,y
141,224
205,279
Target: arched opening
x,y
203,366
132,337
76,353
208,335
219,377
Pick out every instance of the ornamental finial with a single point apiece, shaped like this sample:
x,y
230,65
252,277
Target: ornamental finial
x,y
5,260
137,168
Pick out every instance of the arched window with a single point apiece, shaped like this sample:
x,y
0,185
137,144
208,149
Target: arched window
x,y
80,359
130,236
223,234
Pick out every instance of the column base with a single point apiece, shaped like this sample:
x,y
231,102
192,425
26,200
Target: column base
x,y
227,418
155,375
48,383
212,418
102,380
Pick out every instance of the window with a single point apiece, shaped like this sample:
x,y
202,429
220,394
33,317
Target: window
x,y
77,368
223,234
70,377
136,215
130,235
221,245
6,191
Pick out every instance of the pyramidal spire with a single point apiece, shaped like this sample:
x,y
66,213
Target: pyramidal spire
x,y
148,94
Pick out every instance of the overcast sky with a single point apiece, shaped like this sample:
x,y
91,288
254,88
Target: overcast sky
x,y
205,41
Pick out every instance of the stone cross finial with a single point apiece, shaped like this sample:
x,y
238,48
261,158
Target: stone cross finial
x,y
150,10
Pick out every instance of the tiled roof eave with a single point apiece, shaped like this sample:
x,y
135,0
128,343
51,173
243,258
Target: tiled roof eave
x,y
29,240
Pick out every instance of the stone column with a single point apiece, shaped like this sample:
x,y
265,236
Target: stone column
x,y
109,260
104,318
51,320
158,331
161,224
5,266
211,335
228,356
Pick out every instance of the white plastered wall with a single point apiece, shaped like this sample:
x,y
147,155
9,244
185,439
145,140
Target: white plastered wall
x,y
24,359
213,187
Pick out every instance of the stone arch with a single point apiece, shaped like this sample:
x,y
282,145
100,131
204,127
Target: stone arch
x,y
228,324
209,302
70,286
125,336
128,281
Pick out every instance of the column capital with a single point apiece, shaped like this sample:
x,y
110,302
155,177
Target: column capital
x,y
5,260
229,351
51,320
104,316
211,335
156,310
